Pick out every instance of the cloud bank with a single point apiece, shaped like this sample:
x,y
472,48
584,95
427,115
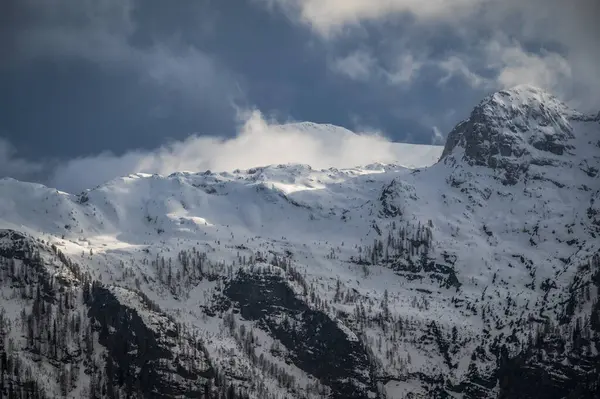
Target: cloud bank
x,y
12,165
488,44
258,142
105,33
329,17
397,60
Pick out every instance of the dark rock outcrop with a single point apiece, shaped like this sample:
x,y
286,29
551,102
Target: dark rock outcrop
x,y
316,343
511,129
140,359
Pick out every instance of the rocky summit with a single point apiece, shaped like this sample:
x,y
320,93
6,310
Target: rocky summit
x,y
475,277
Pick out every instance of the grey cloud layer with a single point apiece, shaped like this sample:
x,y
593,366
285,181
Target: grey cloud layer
x,y
105,33
12,165
411,68
551,44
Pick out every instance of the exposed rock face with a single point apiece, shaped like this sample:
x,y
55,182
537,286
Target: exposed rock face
x,y
558,362
143,360
511,129
77,325
314,342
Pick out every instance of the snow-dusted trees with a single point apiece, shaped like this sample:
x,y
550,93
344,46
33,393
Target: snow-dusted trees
x,y
403,242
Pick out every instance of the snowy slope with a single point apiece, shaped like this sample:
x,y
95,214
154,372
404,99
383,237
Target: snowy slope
x,y
382,281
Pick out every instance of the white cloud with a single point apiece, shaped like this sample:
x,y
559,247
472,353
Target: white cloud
x,y
508,65
258,142
405,69
362,66
328,17
516,66
455,66
564,36
358,65
553,43
437,138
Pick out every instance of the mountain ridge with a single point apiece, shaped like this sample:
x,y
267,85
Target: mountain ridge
x,y
382,281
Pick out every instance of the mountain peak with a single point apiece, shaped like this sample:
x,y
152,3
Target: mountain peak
x,y
524,90
510,127
525,97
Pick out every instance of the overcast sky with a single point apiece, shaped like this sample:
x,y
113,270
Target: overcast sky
x,y
89,84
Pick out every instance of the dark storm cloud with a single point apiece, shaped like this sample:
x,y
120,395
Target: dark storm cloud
x,y
12,165
485,43
124,79
85,76
89,76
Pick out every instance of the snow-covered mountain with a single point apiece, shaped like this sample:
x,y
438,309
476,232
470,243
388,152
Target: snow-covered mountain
x,y
475,277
